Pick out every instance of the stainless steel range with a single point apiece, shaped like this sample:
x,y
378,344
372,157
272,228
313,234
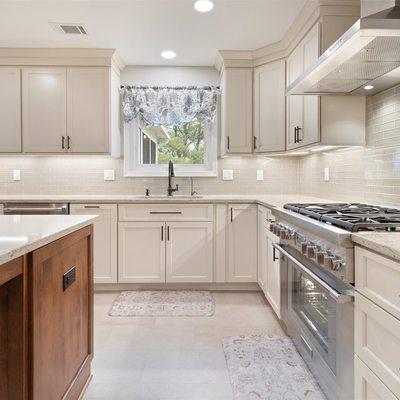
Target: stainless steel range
x,y
317,274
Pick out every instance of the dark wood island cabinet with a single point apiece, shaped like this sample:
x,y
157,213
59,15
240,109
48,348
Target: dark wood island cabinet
x,y
46,321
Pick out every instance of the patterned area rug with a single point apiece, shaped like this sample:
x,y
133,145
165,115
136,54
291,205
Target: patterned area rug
x,y
268,368
163,303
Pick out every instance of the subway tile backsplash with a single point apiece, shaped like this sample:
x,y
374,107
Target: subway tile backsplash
x,y
84,175
367,174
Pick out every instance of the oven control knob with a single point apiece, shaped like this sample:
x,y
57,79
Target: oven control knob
x,y
320,257
304,246
337,263
311,250
271,227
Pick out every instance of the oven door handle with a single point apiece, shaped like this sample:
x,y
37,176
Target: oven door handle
x,y
339,297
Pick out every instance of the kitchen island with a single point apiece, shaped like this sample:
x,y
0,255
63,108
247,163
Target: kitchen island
x,y
46,306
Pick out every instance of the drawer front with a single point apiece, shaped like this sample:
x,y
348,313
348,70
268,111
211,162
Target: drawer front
x,y
367,386
378,279
166,212
377,341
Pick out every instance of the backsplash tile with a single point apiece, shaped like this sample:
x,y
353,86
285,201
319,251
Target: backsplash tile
x,y
84,175
368,174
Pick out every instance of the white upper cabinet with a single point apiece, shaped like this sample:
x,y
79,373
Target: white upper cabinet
x,y
237,110
10,110
88,109
269,107
44,110
66,109
324,120
303,111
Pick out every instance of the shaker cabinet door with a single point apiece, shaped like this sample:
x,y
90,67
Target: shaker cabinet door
x,y
242,243
10,110
44,109
141,252
269,107
88,110
189,251
104,239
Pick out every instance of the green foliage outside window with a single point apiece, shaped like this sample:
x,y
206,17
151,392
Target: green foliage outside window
x,y
185,146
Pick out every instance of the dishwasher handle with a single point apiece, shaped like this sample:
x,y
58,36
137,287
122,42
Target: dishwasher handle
x,y
58,209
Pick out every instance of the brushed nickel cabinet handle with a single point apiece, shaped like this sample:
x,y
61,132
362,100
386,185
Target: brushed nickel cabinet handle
x,y
68,142
63,142
91,206
162,233
228,142
168,232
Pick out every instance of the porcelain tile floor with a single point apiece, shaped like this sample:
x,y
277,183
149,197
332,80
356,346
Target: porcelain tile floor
x,y
162,358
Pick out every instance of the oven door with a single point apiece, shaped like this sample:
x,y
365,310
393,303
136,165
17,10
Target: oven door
x,y
318,311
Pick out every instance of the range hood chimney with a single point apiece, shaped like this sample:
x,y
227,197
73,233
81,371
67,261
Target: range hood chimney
x,y
367,54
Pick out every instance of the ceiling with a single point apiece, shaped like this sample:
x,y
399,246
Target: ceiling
x,y
140,30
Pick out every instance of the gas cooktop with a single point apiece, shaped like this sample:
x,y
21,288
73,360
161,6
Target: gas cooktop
x,y
352,217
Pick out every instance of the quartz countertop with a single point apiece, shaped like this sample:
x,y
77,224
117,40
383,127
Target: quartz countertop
x,y
267,200
20,235
385,243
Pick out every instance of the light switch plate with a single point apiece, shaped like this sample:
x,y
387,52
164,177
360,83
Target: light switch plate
x,y
109,175
260,175
16,174
227,174
327,174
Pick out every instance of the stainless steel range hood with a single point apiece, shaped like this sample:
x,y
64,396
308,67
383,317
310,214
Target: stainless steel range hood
x,y
368,53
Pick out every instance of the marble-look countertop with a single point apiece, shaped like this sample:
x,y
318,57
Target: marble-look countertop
x,y
267,200
20,235
385,243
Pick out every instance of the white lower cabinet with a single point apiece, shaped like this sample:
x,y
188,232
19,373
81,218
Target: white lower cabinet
x,y
242,246
272,287
105,239
189,251
367,385
178,251
141,249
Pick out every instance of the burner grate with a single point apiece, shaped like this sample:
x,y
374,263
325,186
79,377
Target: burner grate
x,y
353,217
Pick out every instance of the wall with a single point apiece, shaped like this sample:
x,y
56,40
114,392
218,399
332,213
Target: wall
x,y
368,174
84,175
76,174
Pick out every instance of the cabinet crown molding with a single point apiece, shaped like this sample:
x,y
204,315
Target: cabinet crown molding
x,y
312,12
60,56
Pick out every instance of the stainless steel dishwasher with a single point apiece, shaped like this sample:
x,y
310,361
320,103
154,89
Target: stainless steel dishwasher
x,y
35,208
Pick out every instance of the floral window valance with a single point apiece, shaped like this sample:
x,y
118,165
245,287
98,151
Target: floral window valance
x,y
168,106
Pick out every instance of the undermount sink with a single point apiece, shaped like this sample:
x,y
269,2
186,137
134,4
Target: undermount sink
x,y
175,197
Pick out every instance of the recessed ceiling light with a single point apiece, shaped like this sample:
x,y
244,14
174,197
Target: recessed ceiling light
x,y
168,54
204,5
368,87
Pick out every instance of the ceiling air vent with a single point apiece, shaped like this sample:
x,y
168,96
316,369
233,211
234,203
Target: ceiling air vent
x,y
69,29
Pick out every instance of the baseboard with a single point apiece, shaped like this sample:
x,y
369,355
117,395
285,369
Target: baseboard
x,y
112,287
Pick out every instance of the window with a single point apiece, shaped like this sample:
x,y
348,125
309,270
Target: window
x,y
192,148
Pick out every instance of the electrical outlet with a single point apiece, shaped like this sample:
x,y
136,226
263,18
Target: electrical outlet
x,y
109,175
16,175
227,174
327,174
260,175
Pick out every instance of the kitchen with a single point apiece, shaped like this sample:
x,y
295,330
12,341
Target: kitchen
x,y
185,216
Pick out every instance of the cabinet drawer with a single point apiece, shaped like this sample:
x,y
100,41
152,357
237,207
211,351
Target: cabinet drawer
x,y
166,212
378,279
377,341
367,386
